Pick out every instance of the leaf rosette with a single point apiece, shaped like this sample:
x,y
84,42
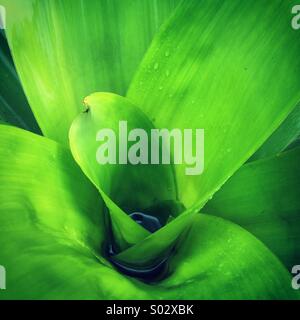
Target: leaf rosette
x,y
229,67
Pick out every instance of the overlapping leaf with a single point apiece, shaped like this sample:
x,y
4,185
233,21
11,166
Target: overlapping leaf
x,y
213,66
263,197
187,80
53,226
65,50
285,136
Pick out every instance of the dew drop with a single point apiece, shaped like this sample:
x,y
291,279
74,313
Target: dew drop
x,y
189,281
156,65
167,53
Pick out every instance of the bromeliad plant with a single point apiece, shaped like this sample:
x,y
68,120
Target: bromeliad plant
x,y
230,67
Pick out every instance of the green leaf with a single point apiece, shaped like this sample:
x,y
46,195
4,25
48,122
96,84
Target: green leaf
x,y
219,260
14,107
51,222
263,197
233,265
49,265
124,187
157,247
42,187
283,137
213,66
65,50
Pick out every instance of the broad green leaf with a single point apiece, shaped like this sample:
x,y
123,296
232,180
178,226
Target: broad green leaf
x,y
233,265
14,107
49,265
64,50
125,187
219,260
51,223
42,187
214,66
263,197
282,138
